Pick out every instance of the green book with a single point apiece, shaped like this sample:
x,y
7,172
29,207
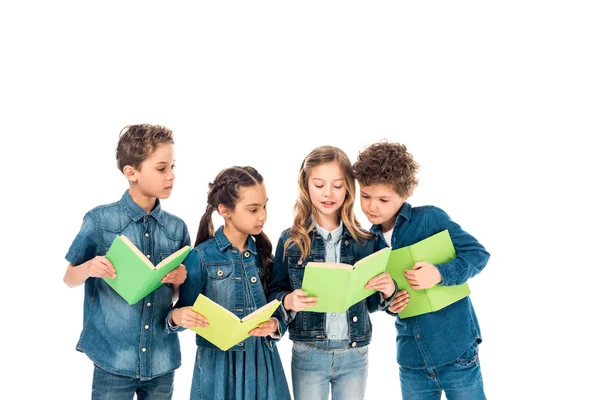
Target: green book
x,y
225,329
436,249
136,275
338,286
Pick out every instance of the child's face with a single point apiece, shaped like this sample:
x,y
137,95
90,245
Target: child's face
x,y
381,204
327,190
156,176
250,212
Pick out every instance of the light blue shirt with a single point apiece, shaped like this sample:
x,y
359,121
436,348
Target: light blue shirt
x,y
336,324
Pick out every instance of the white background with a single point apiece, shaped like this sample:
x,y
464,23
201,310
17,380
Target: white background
x,y
499,102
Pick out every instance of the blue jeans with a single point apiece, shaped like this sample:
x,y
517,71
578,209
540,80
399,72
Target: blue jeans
x,y
107,386
459,380
314,369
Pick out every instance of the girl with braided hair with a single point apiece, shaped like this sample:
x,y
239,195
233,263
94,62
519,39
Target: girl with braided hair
x,y
231,267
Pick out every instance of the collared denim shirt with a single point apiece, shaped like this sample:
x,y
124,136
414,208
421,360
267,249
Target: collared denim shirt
x,y
438,338
128,340
228,277
288,273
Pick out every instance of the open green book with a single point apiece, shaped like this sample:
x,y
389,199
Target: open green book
x,y
436,249
136,275
339,286
225,329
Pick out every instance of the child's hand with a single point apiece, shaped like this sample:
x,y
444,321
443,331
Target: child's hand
x,y
382,283
423,276
399,302
187,318
266,328
100,267
176,277
297,301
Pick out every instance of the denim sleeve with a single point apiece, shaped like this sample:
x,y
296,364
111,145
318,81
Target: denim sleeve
x,y
471,256
86,244
280,285
191,287
186,237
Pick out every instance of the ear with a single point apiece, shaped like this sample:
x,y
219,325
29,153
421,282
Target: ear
x,y
130,173
224,211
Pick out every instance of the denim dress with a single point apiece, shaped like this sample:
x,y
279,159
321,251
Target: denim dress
x,y
251,369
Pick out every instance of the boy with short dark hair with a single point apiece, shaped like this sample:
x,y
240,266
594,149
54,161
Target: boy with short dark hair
x,y
436,351
132,350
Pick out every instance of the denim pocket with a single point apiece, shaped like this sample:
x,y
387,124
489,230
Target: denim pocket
x,y
362,350
219,271
301,349
469,358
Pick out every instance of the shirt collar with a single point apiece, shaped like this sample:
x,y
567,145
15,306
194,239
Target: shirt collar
x,y
136,212
223,243
404,214
336,234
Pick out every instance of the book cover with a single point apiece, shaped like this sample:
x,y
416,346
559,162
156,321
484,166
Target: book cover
x,y
225,329
436,249
338,286
136,275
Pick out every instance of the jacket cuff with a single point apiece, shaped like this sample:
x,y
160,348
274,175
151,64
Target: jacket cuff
x,y
288,316
382,303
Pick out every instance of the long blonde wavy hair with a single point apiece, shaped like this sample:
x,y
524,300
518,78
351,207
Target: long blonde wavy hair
x,y
305,212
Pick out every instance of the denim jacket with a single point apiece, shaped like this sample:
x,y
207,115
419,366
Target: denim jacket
x,y
128,340
438,338
288,273
228,277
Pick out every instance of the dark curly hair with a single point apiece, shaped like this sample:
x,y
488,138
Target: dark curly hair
x,y
387,163
136,142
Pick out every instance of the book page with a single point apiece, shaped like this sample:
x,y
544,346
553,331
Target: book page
x,y
268,308
173,256
137,251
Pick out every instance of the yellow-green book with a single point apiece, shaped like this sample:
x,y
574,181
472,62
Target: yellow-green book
x,y
436,249
338,286
225,329
136,275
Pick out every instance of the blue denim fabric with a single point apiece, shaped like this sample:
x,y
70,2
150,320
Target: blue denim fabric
x,y
128,340
459,380
439,338
107,386
251,369
218,270
288,273
314,368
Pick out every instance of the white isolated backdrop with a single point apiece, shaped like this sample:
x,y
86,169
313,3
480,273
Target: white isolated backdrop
x,y
497,101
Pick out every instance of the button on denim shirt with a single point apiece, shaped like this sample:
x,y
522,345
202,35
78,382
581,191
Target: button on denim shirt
x,y
288,273
438,338
228,277
128,340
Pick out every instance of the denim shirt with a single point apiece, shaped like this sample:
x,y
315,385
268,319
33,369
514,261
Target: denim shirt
x,y
438,338
128,340
228,277
288,273
336,324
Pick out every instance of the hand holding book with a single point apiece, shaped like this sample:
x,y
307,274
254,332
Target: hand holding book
x,y
188,318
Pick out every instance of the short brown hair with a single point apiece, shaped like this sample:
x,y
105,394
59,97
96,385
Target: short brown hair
x,y
387,163
136,142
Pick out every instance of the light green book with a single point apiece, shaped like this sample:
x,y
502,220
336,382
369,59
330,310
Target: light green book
x,y
339,286
136,275
225,329
436,249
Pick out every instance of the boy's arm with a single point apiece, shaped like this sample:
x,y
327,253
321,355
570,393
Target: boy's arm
x,y
471,256
83,255
189,290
